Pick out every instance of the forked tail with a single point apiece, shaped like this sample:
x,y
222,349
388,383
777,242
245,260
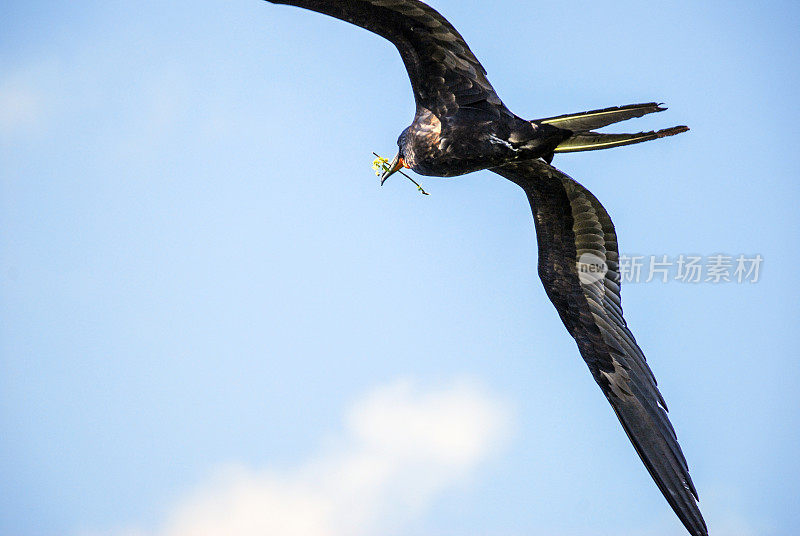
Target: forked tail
x,y
583,124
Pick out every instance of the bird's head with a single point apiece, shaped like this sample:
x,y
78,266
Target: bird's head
x,y
399,161
385,169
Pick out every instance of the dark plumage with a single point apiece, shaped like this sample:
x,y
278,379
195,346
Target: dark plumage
x,y
461,125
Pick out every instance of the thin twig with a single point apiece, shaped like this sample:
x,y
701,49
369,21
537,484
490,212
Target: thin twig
x,y
406,176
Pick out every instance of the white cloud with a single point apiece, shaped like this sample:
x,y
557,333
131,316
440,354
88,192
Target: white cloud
x,y
401,448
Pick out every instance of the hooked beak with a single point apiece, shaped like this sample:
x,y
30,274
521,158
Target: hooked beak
x,y
397,164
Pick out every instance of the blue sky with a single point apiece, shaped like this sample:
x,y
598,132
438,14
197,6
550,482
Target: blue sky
x,y
212,318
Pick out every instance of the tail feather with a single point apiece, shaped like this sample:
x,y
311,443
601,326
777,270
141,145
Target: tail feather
x,y
594,119
592,141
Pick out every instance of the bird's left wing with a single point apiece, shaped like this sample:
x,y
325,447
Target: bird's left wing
x,y
579,267
445,74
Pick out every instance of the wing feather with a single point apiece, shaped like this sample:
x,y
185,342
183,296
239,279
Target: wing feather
x,y
445,74
571,222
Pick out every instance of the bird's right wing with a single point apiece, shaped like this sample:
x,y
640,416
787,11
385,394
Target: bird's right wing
x,y
579,267
445,74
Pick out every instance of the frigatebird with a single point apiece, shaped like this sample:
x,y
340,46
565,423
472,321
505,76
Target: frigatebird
x,y
460,126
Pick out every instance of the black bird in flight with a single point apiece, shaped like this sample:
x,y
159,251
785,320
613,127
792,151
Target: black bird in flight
x,y
461,125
